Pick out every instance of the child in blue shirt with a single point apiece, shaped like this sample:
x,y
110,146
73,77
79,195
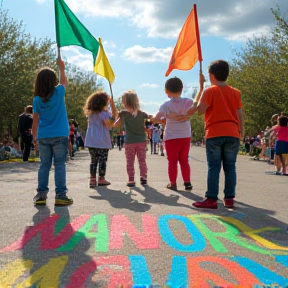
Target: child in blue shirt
x,y
50,133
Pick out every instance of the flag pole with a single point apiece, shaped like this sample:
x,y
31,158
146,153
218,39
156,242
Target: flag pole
x,y
59,52
198,37
111,90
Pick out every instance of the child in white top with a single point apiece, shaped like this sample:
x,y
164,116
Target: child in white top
x,y
177,135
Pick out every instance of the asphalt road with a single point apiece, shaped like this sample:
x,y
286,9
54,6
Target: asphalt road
x,y
117,236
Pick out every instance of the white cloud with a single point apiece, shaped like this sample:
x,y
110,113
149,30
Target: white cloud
x,y
158,18
141,54
149,85
150,103
150,106
81,57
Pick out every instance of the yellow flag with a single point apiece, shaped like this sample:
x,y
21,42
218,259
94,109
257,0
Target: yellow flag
x,y
102,65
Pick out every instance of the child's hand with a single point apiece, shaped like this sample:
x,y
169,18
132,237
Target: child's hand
x,y
35,144
201,80
110,100
60,63
182,118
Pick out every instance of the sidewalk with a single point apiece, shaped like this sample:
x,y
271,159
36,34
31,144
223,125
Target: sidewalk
x,y
117,235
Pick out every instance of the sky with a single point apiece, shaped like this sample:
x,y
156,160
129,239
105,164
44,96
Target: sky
x,y
138,36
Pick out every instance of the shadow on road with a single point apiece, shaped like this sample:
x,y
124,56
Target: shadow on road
x,y
120,200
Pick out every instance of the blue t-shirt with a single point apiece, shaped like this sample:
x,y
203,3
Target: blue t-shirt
x,y
53,120
97,135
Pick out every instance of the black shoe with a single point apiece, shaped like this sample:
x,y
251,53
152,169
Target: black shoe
x,y
63,201
131,184
40,199
188,186
143,181
171,186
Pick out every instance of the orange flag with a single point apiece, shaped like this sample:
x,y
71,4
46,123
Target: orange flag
x,y
188,49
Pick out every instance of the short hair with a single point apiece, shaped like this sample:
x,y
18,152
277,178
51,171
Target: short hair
x,y
130,100
220,69
283,120
95,103
29,109
174,85
274,119
45,83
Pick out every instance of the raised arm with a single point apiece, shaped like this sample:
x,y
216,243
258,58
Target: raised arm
x,y
196,106
62,76
110,122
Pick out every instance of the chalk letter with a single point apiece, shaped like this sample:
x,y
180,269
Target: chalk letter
x,y
198,276
101,237
46,229
13,271
48,275
266,276
148,239
231,234
169,238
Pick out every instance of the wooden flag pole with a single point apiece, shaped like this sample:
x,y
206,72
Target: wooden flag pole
x,y
59,52
111,90
199,50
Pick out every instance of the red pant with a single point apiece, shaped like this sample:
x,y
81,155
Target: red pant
x,y
178,150
131,150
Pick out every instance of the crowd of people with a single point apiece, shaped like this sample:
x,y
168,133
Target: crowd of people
x,y
55,137
270,144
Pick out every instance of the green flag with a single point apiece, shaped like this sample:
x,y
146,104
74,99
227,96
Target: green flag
x,y
70,31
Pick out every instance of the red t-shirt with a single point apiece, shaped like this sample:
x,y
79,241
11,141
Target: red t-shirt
x,y
221,116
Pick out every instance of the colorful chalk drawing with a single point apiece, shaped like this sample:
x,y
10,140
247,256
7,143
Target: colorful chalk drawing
x,y
55,242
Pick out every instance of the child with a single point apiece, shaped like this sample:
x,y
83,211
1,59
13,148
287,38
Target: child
x,y
134,121
98,138
177,134
156,137
281,145
50,129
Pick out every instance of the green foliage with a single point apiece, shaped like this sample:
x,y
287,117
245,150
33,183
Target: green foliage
x,y
80,86
260,71
197,124
20,58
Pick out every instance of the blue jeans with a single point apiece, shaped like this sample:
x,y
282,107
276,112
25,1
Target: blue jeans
x,y
50,148
221,150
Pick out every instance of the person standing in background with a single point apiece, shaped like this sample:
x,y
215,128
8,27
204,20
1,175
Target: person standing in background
x,y
25,131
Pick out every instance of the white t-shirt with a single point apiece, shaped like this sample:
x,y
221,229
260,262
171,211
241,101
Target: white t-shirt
x,y
175,129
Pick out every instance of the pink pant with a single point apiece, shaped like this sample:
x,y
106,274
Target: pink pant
x,y
131,150
178,150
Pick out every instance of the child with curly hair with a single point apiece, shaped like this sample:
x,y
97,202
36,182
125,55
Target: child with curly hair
x,y
98,139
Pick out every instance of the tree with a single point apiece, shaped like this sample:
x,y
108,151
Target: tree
x,y
259,70
197,124
20,57
80,86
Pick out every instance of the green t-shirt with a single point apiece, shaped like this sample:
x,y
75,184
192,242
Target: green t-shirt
x,y
134,126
